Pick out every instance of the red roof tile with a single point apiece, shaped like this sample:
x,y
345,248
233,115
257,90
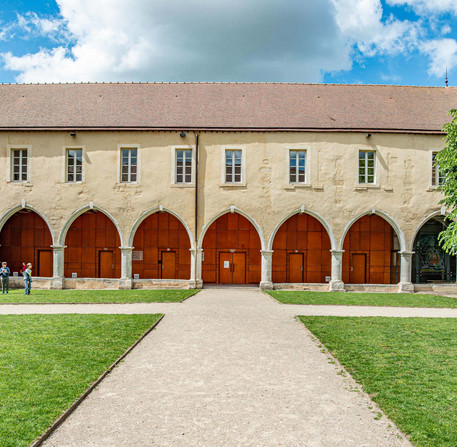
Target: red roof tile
x,y
226,106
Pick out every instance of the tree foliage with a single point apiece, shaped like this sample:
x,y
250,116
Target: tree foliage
x,y
447,162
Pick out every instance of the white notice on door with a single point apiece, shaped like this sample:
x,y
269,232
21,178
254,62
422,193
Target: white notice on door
x,y
226,264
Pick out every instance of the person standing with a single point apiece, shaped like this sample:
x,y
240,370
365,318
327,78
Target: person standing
x,y
5,275
28,279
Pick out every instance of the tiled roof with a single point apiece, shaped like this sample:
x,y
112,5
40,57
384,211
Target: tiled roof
x,y
226,106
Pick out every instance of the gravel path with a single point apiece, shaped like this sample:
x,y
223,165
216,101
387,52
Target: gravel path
x,y
225,368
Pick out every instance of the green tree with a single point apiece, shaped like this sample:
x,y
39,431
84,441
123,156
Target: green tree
x,y
447,162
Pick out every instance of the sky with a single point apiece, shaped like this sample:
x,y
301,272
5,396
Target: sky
x,y
405,42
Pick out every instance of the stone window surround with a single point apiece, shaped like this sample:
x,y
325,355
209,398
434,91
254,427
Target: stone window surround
x,y
243,166
174,184
431,186
138,163
307,182
9,170
64,173
375,184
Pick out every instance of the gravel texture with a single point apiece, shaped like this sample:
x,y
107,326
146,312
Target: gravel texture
x,y
229,367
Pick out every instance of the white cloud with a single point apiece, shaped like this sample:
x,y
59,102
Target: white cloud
x,y
171,40
443,55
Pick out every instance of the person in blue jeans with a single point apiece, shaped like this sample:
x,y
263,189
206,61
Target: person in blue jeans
x,y
28,279
5,275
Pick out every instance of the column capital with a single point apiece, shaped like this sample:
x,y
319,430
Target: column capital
x,y
58,247
406,253
337,252
198,250
127,248
266,252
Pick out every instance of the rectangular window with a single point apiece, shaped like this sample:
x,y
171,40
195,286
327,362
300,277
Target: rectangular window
x,y
233,166
437,177
19,166
367,167
129,165
74,165
183,166
297,164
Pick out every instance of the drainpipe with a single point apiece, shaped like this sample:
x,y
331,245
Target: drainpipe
x,y
196,211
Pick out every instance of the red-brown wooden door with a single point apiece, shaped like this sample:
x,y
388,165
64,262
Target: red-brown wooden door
x,y
44,263
168,259
358,268
296,267
105,264
239,268
232,268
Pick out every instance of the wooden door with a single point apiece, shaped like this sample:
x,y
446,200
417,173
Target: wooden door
x,y
44,263
239,268
105,264
358,269
296,267
225,268
168,265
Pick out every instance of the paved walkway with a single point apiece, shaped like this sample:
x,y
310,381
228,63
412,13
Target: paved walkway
x,y
225,368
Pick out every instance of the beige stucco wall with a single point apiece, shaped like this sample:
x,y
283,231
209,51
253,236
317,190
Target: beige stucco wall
x,y
402,192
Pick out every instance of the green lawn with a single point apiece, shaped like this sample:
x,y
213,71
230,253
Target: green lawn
x,y
47,361
363,299
96,296
407,365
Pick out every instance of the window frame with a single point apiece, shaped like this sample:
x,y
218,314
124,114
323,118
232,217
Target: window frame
x,y
129,146
433,175
307,151
65,165
16,147
224,149
375,168
174,160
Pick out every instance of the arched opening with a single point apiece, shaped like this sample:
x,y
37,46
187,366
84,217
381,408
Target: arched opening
x,y
301,251
161,248
371,252
25,237
92,242
430,263
231,251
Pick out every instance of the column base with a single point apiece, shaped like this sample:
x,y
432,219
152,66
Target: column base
x,y
56,283
266,285
196,285
125,284
336,286
406,287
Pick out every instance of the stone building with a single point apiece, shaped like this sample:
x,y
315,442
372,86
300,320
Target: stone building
x,y
283,185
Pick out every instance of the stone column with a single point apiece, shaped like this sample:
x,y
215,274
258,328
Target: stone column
x,y
336,282
58,258
405,285
267,266
126,268
196,281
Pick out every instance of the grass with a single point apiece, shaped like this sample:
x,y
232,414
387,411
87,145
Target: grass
x,y
96,296
363,299
47,361
407,365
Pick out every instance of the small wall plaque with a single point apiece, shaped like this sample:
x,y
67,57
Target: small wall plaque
x,y
137,255
136,276
74,275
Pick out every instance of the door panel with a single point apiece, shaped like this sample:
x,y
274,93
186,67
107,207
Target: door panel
x,y
358,268
105,264
45,263
225,268
296,267
168,265
239,268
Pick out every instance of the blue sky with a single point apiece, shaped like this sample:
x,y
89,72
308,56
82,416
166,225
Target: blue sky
x,y
408,42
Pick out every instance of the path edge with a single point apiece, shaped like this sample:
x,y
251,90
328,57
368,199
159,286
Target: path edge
x,y
59,421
